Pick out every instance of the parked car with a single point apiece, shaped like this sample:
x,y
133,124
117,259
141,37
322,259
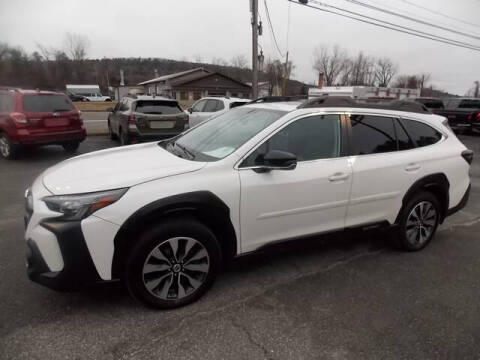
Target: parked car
x,y
29,117
95,97
76,97
212,106
139,118
463,114
163,216
432,104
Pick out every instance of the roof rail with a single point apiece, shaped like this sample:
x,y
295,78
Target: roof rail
x,y
10,88
344,101
270,99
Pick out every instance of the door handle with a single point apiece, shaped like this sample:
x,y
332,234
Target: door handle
x,y
412,167
338,177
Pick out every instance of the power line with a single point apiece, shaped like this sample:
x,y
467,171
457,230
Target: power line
x,y
414,12
372,7
441,14
271,28
396,25
397,28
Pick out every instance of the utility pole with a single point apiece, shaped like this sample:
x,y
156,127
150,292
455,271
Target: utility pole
x,y
254,9
477,85
285,76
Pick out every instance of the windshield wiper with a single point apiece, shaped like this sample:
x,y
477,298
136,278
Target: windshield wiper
x,y
185,150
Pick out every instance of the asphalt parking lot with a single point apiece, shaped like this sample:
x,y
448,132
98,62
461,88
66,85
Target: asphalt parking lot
x,y
342,297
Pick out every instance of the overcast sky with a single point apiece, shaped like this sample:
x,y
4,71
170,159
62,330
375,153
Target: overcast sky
x,y
186,29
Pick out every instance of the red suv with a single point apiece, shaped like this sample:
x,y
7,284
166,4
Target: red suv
x,y
29,117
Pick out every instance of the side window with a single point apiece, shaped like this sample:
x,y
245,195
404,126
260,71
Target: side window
x,y
420,133
403,139
6,102
220,106
198,107
212,105
309,138
372,134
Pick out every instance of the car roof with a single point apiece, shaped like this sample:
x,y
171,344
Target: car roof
x,y
151,98
227,98
29,91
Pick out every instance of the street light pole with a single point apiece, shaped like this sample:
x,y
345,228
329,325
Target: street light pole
x,y
254,4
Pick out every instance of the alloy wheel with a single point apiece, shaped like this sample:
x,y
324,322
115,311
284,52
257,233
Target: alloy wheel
x,y
421,223
176,268
4,146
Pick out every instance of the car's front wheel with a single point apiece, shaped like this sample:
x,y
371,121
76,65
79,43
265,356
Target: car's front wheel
x,y
7,149
419,221
173,264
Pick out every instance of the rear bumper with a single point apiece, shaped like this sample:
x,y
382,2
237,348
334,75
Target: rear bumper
x,y
476,127
461,204
24,137
152,136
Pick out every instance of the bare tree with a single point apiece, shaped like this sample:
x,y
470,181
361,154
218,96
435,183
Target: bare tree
x,y
385,70
329,63
219,61
76,46
198,58
407,82
239,61
362,70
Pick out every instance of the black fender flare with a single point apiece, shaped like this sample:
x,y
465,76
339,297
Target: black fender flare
x,y
437,183
203,205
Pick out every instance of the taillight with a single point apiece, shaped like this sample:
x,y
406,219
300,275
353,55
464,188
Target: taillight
x,y
468,155
131,119
19,119
478,116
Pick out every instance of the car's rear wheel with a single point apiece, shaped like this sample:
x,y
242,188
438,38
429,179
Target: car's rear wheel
x,y
173,264
418,221
71,147
124,138
7,149
110,132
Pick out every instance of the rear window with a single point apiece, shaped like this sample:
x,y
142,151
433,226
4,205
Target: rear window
x,y
157,107
421,134
470,104
431,104
46,103
237,104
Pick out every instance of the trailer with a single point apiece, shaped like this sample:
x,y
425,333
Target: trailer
x,y
365,92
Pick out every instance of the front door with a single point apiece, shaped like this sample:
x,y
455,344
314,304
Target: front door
x,y
312,198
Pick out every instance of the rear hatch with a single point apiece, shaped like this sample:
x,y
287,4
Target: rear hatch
x,y
50,113
159,116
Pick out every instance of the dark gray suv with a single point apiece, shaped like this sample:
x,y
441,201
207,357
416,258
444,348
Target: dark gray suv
x,y
139,118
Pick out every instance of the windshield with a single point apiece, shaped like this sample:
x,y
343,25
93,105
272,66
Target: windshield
x,y
222,135
46,103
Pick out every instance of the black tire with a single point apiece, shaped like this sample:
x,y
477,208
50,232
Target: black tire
x,y
71,147
124,138
175,289
8,150
111,134
416,230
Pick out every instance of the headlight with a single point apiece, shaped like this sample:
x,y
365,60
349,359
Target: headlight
x,y
79,206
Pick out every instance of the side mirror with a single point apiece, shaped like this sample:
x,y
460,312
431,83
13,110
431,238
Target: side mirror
x,y
109,109
277,160
190,110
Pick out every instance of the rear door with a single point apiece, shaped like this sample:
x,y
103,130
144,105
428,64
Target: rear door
x,y
50,113
386,161
159,116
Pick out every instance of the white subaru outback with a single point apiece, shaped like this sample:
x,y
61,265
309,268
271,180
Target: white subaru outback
x,y
163,216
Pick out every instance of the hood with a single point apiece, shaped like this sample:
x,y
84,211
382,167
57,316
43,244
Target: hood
x,y
115,168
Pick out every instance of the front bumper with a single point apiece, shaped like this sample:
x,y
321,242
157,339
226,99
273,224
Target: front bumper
x,y
78,268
